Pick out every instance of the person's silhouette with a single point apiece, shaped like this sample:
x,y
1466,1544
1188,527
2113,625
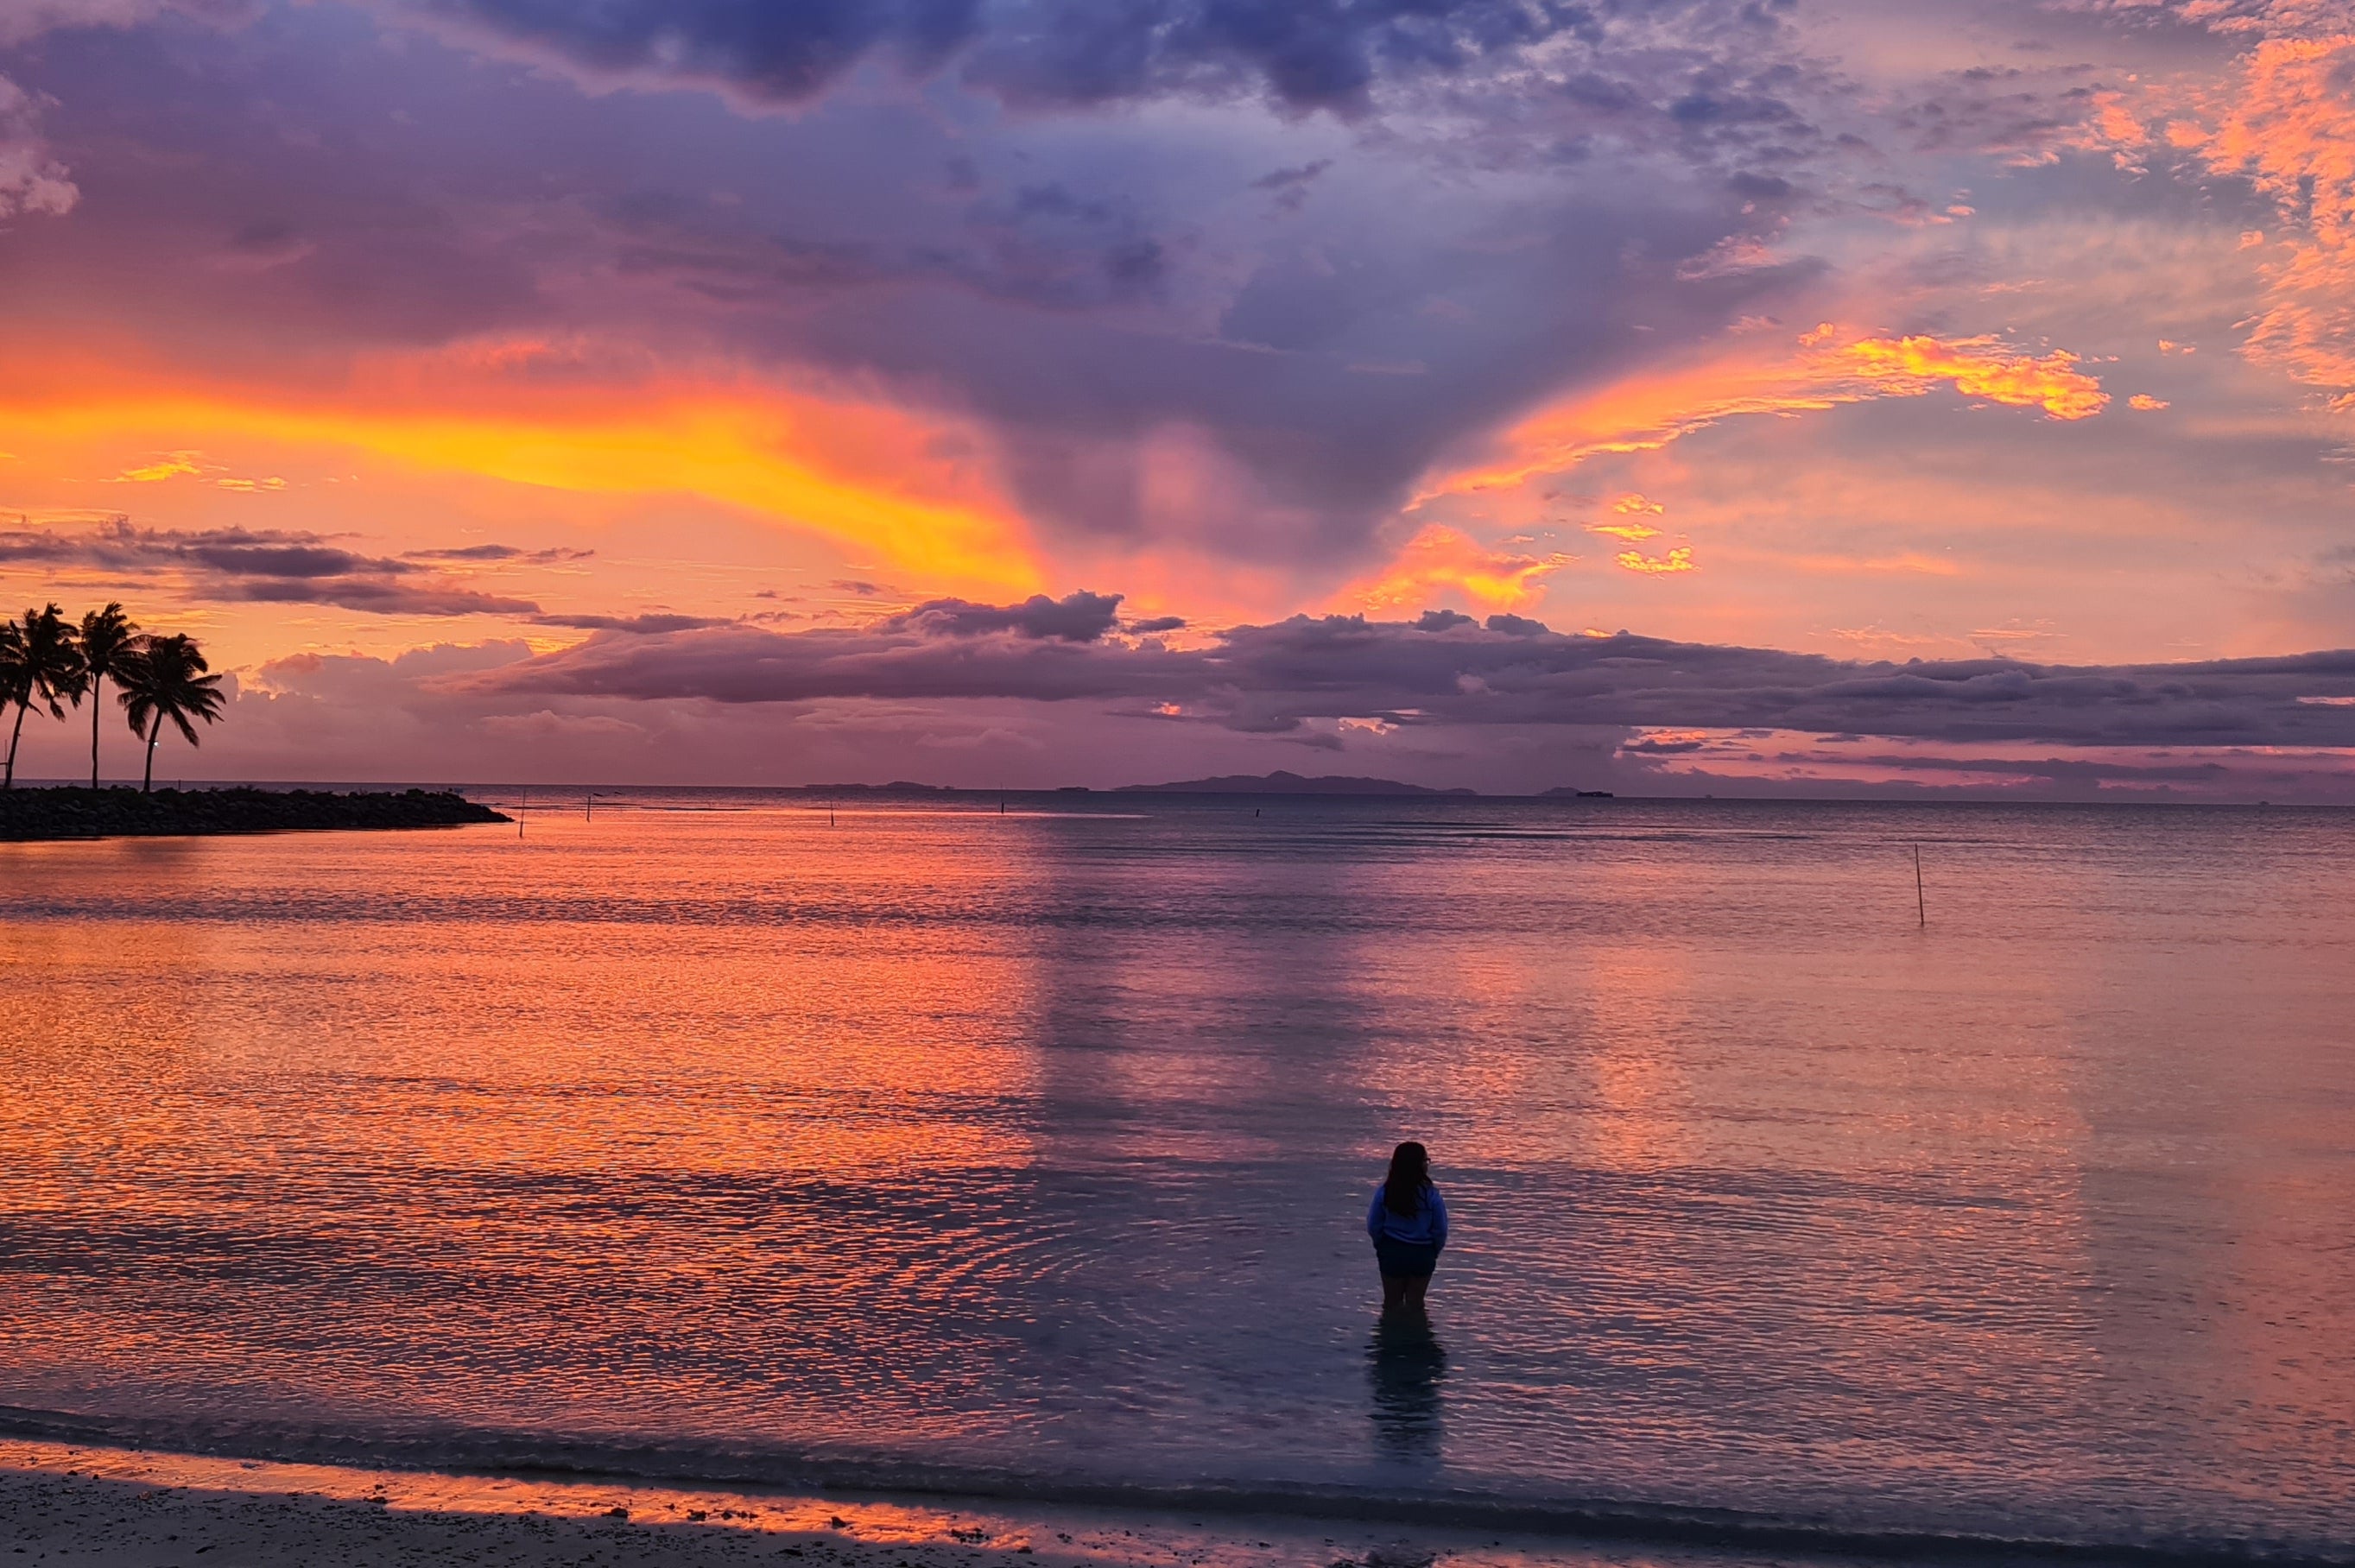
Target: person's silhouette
x,y
1408,1222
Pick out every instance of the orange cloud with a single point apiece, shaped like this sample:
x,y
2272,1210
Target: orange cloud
x,y
2145,403
882,479
2291,129
2285,123
1678,559
185,464
1979,367
1441,560
171,466
1819,371
1631,506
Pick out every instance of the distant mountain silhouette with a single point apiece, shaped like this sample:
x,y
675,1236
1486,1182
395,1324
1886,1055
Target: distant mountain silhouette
x,y
1561,790
1281,782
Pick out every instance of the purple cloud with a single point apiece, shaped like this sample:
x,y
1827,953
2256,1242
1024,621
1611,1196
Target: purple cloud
x,y
650,624
1082,617
495,552
1305,53
1274,679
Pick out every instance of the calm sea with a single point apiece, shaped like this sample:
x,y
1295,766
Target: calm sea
x,y
1030,1152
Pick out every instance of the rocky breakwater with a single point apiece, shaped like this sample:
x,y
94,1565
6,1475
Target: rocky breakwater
x,y
112,812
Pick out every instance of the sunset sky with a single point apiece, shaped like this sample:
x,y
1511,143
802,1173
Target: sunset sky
x,y
1510,393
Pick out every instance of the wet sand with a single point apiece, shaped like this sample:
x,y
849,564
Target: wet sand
x,y
124,1509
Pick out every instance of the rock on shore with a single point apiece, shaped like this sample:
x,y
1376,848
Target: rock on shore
x,y
67,812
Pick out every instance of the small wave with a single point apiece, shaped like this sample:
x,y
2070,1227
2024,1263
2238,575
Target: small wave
x,y
524,1455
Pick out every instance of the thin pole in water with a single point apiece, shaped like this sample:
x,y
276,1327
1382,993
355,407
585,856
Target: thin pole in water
x,y
1921,909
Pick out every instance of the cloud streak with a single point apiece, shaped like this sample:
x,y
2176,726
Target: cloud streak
x,y
1819,369
280,566
262,565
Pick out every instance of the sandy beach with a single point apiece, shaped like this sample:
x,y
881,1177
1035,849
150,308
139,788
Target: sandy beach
x,y
124,1509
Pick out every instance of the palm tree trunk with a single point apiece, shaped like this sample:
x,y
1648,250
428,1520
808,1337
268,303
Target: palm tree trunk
x,y
97,681
155,733
16,735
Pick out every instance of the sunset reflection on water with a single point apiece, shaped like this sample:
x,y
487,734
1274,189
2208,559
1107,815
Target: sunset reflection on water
x,y
1039,1143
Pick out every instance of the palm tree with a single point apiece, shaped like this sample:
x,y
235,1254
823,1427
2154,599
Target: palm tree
x,y
110,644
165,679
39,665
15,686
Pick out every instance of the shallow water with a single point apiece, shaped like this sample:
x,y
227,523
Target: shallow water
x,y
1031,1150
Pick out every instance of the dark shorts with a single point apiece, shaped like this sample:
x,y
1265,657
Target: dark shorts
x,y
1405,1260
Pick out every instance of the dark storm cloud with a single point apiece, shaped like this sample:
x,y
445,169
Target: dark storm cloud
x,y
1306,53
1043,244
1274,678
1290,186
1038,308
765,48
1082,316
258,565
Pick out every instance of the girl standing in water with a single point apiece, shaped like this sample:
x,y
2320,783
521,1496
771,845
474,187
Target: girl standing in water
x,y
1408,1221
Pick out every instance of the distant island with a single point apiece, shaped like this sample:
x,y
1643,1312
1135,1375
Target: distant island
x,y
1281,782
1278,782
78,813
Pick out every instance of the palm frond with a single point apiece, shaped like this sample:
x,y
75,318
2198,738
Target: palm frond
x,y
165,678
110,641
55,673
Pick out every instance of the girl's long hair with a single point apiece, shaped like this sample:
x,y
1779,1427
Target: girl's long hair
x,y
1410,1174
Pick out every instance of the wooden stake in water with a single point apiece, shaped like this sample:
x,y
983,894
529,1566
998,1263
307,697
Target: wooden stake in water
x,y
522,807
1921,910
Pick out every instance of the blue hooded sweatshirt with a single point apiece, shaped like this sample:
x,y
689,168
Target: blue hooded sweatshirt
x,y
1426,1227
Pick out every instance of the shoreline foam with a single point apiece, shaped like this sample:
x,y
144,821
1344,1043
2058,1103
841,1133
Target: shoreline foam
x,y
114,1508
470,1464
101,1503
